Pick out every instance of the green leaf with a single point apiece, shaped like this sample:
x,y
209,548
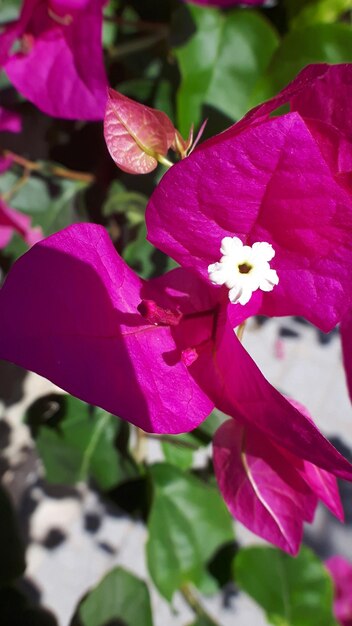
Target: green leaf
x,y
292,591
187,524
79,443
222,62
178,449
120,598
320,43
138,254
9,10
129,203
304,13
12,563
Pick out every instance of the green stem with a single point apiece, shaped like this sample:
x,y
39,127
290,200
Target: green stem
x,y
194,603
164,161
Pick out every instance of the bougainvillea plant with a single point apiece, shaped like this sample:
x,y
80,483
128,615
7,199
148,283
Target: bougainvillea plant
x,y
141,314
172,358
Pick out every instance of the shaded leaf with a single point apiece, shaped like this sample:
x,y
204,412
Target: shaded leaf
x,y
12,563
79,442
188,522
292,591
129,203
221,63
120,598
16,611
178,450
304,13
319,43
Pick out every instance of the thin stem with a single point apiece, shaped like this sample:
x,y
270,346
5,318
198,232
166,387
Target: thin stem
x,y
139,25
196,606
56,170
171,439
136,45
164,161
21,182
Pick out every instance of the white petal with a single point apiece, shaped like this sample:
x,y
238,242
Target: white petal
x,y
269,281
230,244
217,273
235,294
245,296
263,250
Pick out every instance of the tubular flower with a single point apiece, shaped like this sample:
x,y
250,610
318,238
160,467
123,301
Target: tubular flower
x,y
244,269
282,180
161,354
59,66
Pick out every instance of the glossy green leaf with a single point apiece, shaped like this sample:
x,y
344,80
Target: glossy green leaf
x,y
221,63
187,524
179,449
78,442
9,10
320,43
306,12
292,591
12,563
129,203
120,598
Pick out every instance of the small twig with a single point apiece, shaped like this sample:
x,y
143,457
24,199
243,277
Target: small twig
x,y
136,45
170,439
139,25
21,182
56,170
195,604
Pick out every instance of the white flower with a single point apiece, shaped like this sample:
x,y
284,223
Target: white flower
x,y
244,269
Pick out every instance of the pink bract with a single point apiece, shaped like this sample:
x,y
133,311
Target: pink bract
x,y
282,180
341,573
136,134
12,221
60,66
159,354
268,489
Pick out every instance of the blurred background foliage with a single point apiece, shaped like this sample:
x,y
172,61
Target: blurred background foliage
x,y
194,63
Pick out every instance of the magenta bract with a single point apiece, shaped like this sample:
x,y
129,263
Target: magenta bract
x,y
341,573
272,179
12,221
60,65
268,489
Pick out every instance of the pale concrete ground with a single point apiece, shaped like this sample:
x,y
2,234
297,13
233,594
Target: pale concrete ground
x,y
306,370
